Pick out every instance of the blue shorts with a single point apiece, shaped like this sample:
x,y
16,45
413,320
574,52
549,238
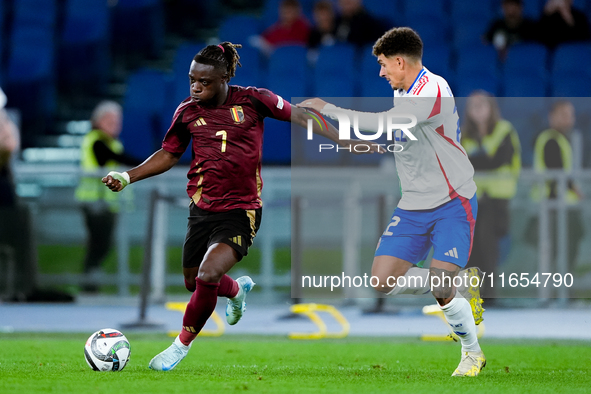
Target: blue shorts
x,y
449,229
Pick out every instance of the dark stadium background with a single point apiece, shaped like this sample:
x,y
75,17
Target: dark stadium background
x,y
60,57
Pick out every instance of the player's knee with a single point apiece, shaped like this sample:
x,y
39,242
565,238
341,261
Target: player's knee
x,y
190,274
383,287
385,284
442,293
210,273
190,284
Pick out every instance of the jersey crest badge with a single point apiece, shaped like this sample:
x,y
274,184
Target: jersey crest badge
x,y
237,114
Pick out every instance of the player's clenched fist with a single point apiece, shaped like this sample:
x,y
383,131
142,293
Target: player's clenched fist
x,y
116,181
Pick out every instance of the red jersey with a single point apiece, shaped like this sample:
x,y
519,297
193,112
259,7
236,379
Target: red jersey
x,y
227,146
295,34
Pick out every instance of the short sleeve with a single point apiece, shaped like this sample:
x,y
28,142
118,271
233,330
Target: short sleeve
x,y
177,137
268,104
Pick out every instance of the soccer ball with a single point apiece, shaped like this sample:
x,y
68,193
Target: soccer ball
x,y
107,350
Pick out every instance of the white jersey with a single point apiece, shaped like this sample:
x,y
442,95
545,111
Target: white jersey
x,y
434,168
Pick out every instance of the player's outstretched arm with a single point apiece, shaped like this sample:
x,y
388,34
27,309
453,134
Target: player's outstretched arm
x,y
314,103
159,162
415,109
300,116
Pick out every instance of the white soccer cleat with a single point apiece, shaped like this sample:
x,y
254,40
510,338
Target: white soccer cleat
x,y
471,364
169,358
236,306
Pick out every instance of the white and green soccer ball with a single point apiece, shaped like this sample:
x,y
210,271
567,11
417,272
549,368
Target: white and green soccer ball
x,y
107,350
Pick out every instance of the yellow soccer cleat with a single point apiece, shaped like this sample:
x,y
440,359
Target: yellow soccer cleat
x,y
472,292
471,364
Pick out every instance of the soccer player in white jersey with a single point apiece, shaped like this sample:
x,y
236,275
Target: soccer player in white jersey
x,y
438,205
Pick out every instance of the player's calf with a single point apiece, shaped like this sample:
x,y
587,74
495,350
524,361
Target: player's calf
x,y
397,276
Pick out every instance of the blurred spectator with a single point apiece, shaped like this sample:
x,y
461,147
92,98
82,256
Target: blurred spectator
x,y
323,32
9,144
17,245
494,150
17,253
553,150
562,23
100,150
292,28
512,28
355,25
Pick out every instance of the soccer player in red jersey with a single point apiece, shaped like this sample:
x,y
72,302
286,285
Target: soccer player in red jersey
x,y
224,126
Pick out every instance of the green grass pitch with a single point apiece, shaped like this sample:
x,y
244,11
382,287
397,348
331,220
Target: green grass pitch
x,y
54,363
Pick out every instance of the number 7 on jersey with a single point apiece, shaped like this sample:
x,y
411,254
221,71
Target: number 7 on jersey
x,y
224,137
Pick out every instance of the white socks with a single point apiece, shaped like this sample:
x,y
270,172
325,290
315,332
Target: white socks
x,y
458,314
415,281
177,341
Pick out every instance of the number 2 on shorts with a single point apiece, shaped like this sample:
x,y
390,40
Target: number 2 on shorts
x,y
393,223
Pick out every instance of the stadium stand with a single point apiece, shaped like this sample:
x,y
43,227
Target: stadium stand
x,y
30,78
84,58
40,13
277,142
571,58
433,29
533,8
438,60
270,12
65,45
334,75
463,10
237,29
468,33
287,71
385,10
413,8
525,72
180,69
138,28
252,71
371,84
568,85
287,75
523,84
477,68
145,117
31,55
529,57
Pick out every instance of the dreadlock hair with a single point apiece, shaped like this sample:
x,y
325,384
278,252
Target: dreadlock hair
x,y
223,56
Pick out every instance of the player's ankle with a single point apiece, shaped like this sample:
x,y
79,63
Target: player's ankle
x,y
185,338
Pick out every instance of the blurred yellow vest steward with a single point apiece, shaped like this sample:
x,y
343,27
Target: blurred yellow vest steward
x,y
566,153
500,182
91,188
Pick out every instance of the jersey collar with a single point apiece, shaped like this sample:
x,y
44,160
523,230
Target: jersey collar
x,y
421,73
